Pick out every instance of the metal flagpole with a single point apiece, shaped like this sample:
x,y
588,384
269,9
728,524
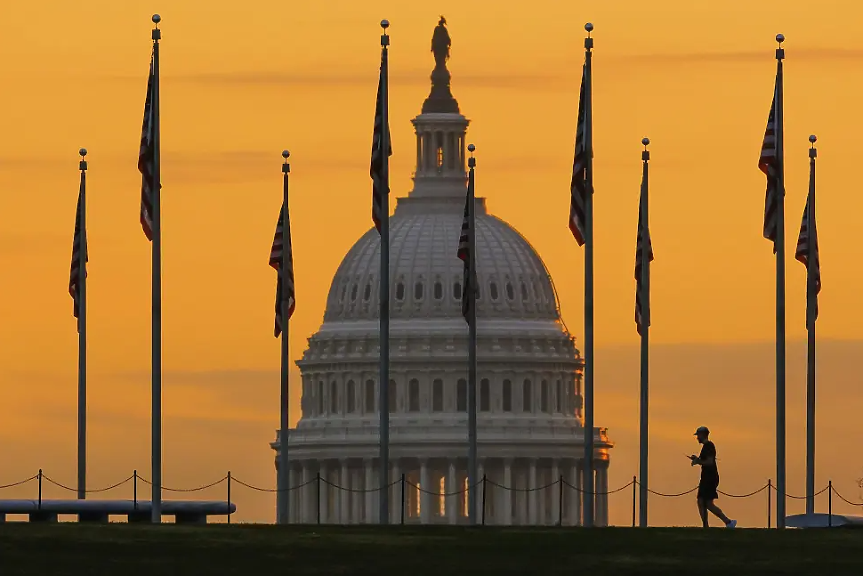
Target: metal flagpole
x,y
156,516
471,386
811,295
589,499
644,298
283,499
384,386
780,292
81,290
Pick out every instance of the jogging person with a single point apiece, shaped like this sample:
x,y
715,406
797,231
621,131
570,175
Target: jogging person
x,y
707,487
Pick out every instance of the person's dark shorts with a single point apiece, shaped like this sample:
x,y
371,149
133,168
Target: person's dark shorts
x,y
707,489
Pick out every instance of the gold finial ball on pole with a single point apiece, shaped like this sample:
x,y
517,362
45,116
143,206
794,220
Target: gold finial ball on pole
x,y
83,151
156,19
780,38
286,155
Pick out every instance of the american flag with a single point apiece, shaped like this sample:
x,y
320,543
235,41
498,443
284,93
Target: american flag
x,y
75,272
465,256
642,243
768,163
578,187
378,169
802,254
276,262
145,160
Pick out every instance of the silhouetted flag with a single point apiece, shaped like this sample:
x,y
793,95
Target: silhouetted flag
x,y
802,254
642,243
276,262
465,256
75,273
768,162
378,171
578,187
145,160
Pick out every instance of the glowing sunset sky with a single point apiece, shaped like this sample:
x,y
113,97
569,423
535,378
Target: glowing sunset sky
x,y
240,82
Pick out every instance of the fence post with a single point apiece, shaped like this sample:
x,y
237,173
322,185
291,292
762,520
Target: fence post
x,y
769,499
634,490
40,488
830,504
135,489
318,497
229,496
560,500
403,500
483,499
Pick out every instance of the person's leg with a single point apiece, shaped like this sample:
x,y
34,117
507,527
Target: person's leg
x,y
709,505
702,511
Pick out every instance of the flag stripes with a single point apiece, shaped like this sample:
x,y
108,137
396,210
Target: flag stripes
x,y
768,162
578,187
642,244
146,158
465,256
802,255
283,289
75,279
378,169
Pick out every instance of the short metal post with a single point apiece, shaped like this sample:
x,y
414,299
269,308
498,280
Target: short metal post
x,y
483,499
229,496
769,500
40,488
403,500
830,504
634,490
135,489
560,500
318,480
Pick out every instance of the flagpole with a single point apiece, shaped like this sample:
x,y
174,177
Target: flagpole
x,y
471,386
644,297
283,500
156,510
590,497
811,294
384,279
81,290
780,292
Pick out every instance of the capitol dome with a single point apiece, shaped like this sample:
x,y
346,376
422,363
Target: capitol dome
x,y
529,422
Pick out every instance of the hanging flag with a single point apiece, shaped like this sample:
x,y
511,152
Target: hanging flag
x,y
578,187
378,170
768,163
465,256
642,244
145,160
802,255
276,262
75,279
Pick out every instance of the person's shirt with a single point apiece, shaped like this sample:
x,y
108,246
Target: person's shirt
x,y
708,469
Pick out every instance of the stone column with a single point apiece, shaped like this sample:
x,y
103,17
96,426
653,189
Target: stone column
x,y
307,495
452,500
292,496
396,490
573,496
370,494
425,496
325,491
356,497
480,490
531,484
507,493
344,492
602,499
556,515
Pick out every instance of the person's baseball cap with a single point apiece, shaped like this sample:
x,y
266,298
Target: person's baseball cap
x,y
702,430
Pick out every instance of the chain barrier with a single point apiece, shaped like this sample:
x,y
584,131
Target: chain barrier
x,y
186,490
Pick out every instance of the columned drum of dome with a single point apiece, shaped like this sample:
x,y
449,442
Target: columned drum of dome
x,y
529,419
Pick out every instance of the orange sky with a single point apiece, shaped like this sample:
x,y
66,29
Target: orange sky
x,y
240,84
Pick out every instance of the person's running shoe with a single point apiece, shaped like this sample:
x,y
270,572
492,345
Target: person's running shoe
x,y
731,524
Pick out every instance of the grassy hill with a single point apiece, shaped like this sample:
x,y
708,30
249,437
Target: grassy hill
x,y
130,550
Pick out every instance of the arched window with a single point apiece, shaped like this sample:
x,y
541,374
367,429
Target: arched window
x,y
393,397
543,396
344,293
507,396
527,396
461,395
524,295
400,291
492,290
510,291
334,397
414,395
439,159
456,290
370,396
368,292
354,292
558,397
351,397
320,397
484,395
418,290
437,395
438,290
